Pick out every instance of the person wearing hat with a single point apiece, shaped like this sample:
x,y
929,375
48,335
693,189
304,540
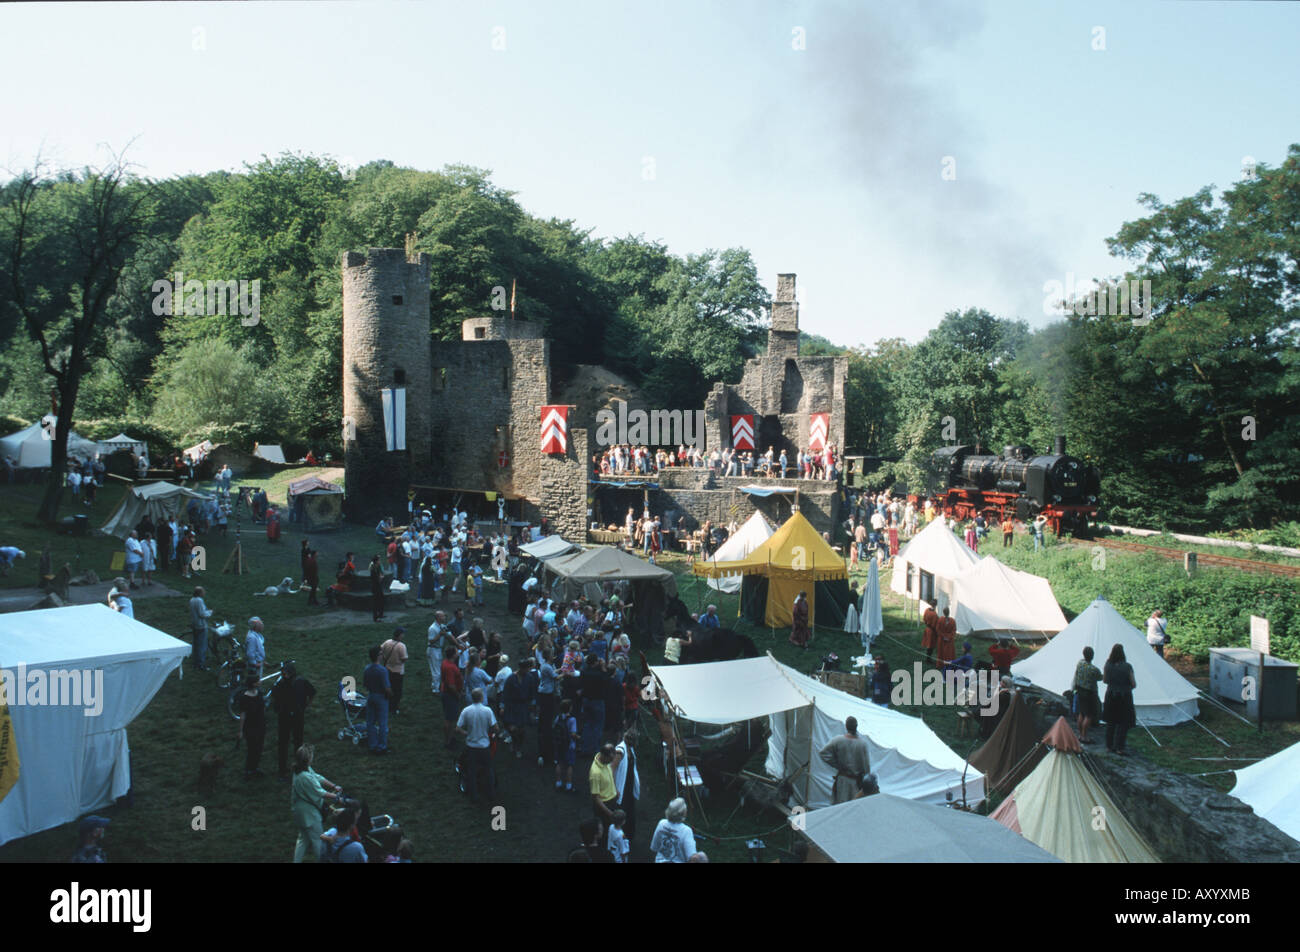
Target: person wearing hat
x,y
90,836
392,655
964,663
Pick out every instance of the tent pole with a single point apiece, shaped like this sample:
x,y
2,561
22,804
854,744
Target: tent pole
x,y
807,783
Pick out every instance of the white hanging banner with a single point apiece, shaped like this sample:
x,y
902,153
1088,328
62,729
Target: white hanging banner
x,y
395,418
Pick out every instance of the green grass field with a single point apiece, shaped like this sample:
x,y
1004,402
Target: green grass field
x,y
251,822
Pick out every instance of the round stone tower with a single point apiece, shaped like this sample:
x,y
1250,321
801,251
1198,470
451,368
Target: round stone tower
x,y
386,345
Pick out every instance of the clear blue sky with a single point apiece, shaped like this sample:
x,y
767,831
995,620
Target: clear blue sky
x,y
824,161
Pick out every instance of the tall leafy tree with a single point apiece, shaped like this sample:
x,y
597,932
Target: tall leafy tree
x,y
66,241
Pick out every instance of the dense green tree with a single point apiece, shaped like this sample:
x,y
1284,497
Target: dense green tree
x,y
66,242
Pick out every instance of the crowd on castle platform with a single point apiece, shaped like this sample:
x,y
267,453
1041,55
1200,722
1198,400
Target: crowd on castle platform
x,y
626,459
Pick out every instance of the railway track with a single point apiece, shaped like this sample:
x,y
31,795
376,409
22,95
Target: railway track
x,y
1206,559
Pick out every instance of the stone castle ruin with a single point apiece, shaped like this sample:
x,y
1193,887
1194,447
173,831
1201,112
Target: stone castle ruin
x,y
462,418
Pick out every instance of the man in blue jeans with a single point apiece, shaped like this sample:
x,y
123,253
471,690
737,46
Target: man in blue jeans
x,y
378,690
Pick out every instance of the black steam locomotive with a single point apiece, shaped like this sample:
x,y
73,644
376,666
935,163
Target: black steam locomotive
x,y
1017,483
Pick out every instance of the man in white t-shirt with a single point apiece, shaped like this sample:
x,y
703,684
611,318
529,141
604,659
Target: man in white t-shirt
x,y
1157,631
435,650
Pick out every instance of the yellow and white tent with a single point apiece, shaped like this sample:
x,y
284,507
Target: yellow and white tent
x,y
794,559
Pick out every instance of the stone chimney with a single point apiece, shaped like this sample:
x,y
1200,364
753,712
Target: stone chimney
x,y
783,337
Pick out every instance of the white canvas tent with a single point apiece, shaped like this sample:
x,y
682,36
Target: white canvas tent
x,y
29,448
804,715
936,552
1272,788
1163,696
69,763
158,501
270,453
122,442
888,829
548,547
996,601
745,540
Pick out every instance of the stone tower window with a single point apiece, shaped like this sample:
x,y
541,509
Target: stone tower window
x,y
397,299
480,333
399,377
440,378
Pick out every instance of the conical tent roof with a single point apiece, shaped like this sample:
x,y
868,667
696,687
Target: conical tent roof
x,y
745,540
994,600
935,550
1272,788
1009,754
1162,696
1061,807
794,550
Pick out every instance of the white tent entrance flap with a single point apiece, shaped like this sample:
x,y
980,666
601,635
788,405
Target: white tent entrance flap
x,y
804,716
394,399
73,751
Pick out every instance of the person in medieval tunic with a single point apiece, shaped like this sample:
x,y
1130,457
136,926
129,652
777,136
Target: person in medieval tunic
x,y
848,755
931,636
801,634
946,649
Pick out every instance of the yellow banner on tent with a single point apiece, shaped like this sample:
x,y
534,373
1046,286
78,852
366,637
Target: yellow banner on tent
x,y
8,747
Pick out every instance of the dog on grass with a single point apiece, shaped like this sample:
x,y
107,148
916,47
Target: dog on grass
x,y
284,588
209,766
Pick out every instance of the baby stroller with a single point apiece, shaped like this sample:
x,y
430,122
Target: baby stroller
x,y
380,835
354,713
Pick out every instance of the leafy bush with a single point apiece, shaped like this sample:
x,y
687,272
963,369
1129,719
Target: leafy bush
x,y
1210,610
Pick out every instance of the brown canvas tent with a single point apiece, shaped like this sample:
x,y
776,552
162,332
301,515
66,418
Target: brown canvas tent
x,y
315,503
158,501
1012,751
584,572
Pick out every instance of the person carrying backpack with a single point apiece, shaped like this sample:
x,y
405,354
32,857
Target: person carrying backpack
x,y
565,733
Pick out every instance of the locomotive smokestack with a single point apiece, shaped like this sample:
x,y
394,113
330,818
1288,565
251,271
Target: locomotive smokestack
x,y
1060,444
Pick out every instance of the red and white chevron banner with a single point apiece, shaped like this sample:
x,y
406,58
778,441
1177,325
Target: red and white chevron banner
x,y
818,429
555,429
742,431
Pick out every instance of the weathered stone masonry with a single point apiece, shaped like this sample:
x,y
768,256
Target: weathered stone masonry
x,y
478,398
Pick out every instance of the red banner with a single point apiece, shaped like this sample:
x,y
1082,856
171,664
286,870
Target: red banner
x,y
555,429
742,431
818,429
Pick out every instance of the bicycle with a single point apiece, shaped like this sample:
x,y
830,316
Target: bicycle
x,y
232,698
227,653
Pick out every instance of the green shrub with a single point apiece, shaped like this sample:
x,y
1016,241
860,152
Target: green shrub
x,y
1210,610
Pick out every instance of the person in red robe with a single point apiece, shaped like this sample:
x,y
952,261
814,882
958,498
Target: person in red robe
x,y
931,636
801,634
947,638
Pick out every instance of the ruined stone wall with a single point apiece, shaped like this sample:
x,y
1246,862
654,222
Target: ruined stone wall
x,y
385,344
1185,820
